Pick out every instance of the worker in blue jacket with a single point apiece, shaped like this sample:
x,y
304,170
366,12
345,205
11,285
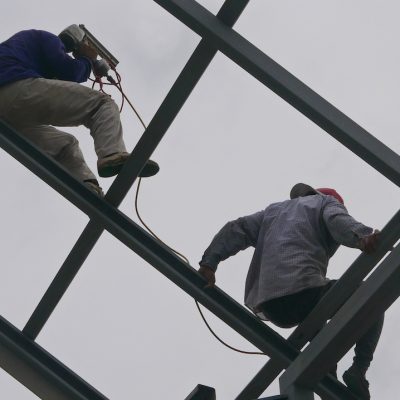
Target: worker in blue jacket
x,y
39,89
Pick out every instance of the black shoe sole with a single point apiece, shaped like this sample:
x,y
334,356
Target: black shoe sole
x,y
150,169
356,386
110,170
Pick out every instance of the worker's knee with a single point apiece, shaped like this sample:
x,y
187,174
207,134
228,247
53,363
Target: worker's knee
x,y
72,141
109,102
70,147
104,102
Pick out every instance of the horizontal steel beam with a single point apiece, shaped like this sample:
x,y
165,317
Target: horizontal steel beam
x,y
40,372
327,307
367,304
156,254
165,115
287,86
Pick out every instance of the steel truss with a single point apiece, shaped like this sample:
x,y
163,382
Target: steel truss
x,y
298,383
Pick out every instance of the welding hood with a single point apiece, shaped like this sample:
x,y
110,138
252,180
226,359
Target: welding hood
x,y
72,37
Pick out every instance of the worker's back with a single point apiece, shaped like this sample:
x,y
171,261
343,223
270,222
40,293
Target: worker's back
x,y
38,54
292,250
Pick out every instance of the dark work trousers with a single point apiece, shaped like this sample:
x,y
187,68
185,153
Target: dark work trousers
x,y
289,311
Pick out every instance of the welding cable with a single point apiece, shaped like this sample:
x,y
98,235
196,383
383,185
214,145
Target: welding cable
x,y
220,340
184,258
99,82
187,261
118,85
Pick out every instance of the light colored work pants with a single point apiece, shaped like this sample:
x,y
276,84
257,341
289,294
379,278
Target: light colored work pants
x,y
32,106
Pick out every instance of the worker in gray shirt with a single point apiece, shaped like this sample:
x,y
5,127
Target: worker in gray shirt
x,y
293,242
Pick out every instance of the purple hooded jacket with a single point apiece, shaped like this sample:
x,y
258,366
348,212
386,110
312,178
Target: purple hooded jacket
x,y
39,54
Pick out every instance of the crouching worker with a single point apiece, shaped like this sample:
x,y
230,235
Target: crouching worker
x,y
39,89
294,241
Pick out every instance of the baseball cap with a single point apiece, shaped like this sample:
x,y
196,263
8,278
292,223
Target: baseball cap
x,y
302,189
331,192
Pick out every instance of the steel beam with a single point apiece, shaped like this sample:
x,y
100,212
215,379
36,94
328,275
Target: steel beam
x,y
126,176
159,256
287,86
170,107
327,307
202,392
40,372
370,301
279,397
296,392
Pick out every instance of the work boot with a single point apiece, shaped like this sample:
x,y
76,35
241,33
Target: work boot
x,y
94,186
113,163
357,383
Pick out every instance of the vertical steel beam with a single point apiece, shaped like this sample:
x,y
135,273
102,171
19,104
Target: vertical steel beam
x,y
327,307
36,369
287,86
165,115
370,301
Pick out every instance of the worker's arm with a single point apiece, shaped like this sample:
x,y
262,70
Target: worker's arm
x,y
346,230
369,244
63,66
234,236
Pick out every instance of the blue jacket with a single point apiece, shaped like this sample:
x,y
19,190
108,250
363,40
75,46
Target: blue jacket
x,y
39,54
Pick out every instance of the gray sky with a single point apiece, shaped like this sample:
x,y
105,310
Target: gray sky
x,y
234,148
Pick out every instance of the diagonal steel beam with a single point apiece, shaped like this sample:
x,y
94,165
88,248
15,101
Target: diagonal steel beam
x,y
170,107
327,307
370,301
296,392
287,86
160,257
279,397
134,178
40,372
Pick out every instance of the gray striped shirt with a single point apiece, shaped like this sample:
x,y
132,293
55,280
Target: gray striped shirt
x,y
293,241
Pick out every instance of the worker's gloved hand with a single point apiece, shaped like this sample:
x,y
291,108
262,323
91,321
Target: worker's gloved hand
x,y
208,274
369,244
85,50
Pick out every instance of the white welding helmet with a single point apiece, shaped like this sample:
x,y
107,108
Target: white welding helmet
x,y
72,37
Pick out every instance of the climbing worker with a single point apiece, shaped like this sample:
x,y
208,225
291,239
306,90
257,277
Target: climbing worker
x,y
39,89
294,240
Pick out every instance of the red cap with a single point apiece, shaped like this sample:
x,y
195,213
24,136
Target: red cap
x,y
331,192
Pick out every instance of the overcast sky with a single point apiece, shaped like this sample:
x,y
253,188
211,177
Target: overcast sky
x,y
234,148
